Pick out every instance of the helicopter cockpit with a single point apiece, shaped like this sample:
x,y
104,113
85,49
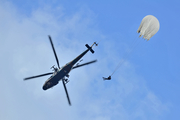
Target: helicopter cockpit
x,y
49,84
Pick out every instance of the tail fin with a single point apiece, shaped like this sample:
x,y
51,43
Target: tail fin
x,y
90,48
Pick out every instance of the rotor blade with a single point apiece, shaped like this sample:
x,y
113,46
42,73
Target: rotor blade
x,y
37,76
66,91
54,51
84,64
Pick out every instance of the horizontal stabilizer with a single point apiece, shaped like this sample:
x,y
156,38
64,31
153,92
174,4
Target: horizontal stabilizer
x,y
90,48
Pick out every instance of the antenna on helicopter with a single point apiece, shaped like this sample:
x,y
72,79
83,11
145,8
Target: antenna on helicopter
x,y
79,62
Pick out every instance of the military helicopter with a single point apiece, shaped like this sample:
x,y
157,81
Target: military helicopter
x,y
62,73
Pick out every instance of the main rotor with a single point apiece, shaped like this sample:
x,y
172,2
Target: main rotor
x,y
54,51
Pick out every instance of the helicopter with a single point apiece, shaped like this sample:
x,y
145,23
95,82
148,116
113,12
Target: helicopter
x,y
62,73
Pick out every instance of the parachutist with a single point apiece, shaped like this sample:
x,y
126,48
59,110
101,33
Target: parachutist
x,y
109,78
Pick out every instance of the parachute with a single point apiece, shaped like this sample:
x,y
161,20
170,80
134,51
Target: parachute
x,y
149,26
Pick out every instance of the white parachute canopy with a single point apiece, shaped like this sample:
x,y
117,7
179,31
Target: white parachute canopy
x,y
149,26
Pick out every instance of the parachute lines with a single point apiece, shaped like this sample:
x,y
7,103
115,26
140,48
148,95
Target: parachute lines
x,y
132,48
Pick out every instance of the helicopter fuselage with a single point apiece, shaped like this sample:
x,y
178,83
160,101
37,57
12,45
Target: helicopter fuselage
x,y
62,72
57,76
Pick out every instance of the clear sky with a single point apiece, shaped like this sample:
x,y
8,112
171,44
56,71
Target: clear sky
x,y
145,87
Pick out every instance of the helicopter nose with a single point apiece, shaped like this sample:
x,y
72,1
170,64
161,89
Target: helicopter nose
x,y
44,87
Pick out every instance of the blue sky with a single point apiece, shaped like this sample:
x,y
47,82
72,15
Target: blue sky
x,y
145,87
